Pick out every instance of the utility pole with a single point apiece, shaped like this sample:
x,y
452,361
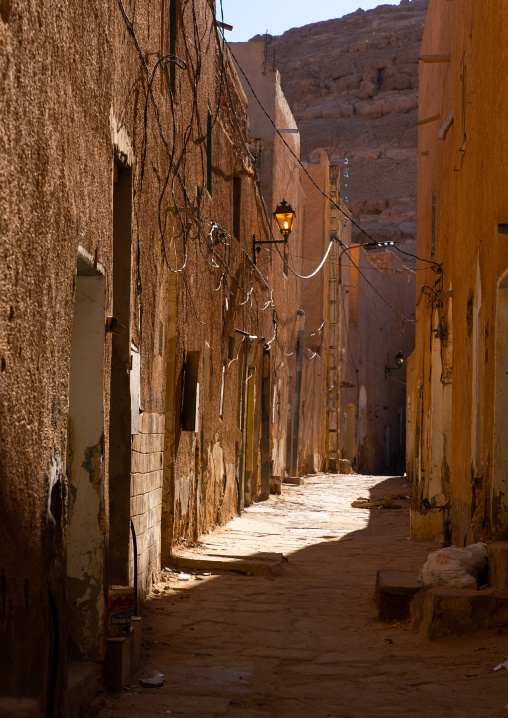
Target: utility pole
x,y
300,346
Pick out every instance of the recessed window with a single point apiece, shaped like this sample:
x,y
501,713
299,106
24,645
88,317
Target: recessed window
x,y
209,151
173,14
433,229
161,338
223,380
189,411
237,205
463,94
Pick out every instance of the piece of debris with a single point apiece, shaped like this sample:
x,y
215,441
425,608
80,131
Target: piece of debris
x,y
504,664
387,640
453,566
154,682
365,504
183,576
480,648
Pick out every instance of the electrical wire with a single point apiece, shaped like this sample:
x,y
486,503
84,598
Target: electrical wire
x,y
435,266
344,249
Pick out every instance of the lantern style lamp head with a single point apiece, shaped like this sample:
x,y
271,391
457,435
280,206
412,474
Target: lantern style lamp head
x,y
399,359
285,217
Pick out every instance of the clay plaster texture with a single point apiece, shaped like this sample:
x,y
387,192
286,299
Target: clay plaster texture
x,y
279,179
457,372
133,414
374,407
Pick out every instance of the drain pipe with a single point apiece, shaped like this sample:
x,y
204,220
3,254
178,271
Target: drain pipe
x,y
135,553
241,477
300,347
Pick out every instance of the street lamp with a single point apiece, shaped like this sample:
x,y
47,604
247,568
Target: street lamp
x,y
285,217
399,360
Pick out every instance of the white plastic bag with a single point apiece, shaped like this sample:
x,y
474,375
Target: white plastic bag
x,y
453,566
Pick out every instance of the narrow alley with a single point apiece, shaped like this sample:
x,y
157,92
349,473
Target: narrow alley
x,y
305,640
253,359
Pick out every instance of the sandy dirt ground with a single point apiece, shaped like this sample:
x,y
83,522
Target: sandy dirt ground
x,y
307,643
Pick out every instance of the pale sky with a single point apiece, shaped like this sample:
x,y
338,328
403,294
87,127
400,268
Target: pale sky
x,y
251,18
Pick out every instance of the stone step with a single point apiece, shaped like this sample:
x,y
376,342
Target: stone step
x,y
295,480
498,564
267,564
394,592
443,611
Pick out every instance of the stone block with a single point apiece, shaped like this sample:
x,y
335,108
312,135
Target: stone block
x,y
262,564
117,664
140,525
147,443
425,524
155,498
151,423
154,517
442,611
295,480
345,467
275,485
146,463
394,592
143,483
498,564
137,505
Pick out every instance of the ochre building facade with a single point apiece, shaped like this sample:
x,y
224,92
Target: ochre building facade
x,y
457,377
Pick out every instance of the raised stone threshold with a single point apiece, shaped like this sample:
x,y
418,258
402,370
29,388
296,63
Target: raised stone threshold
x,y
262,564
442,610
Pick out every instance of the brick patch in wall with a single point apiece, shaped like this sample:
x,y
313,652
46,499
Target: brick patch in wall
x,y
146,495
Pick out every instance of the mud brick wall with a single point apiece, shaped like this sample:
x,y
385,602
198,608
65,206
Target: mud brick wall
x,y
146,497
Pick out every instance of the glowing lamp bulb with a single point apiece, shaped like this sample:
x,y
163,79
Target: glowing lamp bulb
x,y
285,215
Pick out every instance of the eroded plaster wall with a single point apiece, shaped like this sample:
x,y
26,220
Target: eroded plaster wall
x,y
458,220
382,291
72,105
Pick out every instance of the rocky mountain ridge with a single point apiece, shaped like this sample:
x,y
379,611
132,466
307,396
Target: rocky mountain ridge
x,y
352,84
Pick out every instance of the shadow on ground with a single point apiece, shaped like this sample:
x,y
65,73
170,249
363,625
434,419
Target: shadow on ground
x,y
308,643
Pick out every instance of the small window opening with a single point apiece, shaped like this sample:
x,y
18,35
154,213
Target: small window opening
x,y
463,93
189,412
433,231
209,152
161,338
237,205
172,44
223,380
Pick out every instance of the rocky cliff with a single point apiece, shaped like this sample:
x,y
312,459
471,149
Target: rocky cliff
x,y
352,85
